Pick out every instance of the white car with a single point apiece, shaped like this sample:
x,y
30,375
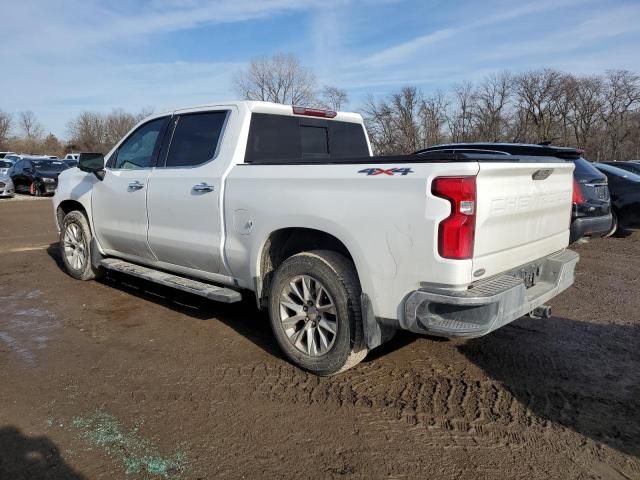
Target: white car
x,y
343,248
6,185
5,165
72,156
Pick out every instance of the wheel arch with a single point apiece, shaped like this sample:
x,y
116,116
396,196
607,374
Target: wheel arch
x,y
282,243
67,206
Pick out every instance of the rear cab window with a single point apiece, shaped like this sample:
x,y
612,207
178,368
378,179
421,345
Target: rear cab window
x,y
291,139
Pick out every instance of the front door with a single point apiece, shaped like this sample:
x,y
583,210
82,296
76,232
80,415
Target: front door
x,y
119,202
184,191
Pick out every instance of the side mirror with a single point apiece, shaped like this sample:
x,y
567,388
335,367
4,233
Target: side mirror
x,y
26,170
92,163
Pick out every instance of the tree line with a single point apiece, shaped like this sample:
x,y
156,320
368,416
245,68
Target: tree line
x,y
88,132
600,113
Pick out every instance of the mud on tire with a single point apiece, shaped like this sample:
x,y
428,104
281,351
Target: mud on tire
x,y
337,275
75,227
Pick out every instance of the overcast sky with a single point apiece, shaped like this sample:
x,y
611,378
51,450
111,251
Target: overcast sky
x,y
59,58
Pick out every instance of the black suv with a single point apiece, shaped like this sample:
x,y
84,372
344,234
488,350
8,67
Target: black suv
x,y
591,213
36,176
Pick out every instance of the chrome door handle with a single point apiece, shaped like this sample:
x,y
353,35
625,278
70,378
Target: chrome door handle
x,y
203,187
135,185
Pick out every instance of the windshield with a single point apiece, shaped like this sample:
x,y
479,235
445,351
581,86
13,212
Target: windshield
x,y
619,172
49,165
5,164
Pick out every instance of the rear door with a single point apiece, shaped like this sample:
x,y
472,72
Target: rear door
x,y
119,202
523,213
184,194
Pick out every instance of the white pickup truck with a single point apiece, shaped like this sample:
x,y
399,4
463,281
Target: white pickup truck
x,y
342,247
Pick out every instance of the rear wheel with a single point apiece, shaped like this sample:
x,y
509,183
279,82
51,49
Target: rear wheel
x,y
614,225
75,246
315,314
34,189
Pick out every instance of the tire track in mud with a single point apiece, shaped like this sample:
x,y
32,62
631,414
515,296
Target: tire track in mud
x,y
457,411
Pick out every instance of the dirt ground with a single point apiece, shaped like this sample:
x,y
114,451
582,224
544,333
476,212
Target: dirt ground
x,y
120,379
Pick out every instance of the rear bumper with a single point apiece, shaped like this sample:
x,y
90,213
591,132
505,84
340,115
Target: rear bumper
x,y
489,304
590,227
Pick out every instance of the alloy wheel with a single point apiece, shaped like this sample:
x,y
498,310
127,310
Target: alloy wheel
x,y
308,315
75,248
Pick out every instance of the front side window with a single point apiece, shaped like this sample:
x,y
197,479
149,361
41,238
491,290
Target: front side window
x,y
139,150
195,138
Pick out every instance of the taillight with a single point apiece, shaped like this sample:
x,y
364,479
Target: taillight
x,y
578,197
314,112
456,232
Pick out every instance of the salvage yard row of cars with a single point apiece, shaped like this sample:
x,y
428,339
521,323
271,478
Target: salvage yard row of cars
x,y
32,174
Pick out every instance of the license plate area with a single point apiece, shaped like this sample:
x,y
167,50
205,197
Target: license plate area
x,y
528,273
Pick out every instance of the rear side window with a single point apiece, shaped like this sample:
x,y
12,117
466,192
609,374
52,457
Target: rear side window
x,y
195,138
289,139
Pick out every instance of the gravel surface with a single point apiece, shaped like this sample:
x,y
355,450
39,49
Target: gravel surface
x,y
122,379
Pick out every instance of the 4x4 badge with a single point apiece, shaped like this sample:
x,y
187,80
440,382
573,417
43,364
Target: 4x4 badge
x,y
542,174
386,171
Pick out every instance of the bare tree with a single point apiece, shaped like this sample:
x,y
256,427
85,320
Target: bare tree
x,y
88,133
461,118
116,125
621,97
6,122
490,106
381,126
333,98
51,145
433,115
29,125
539,93
280,79
585,104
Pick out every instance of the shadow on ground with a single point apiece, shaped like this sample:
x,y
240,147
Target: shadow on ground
x,y
31,458
243,317
581,375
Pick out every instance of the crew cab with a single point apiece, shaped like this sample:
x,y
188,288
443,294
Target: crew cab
x,y
287,204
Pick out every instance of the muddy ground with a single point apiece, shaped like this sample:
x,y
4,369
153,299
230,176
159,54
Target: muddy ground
x,y
119,379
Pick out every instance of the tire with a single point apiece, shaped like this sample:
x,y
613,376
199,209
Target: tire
x,y
34,190
75,235
614,225
331,280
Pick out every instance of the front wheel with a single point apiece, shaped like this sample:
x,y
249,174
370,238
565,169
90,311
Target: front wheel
x,y
75,246
315,313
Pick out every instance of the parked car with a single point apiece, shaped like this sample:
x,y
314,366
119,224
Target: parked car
x,y
591,212
72,156
70,162
340,246
12,157
630,166
36,175
625,196
4,154
6,186
5,165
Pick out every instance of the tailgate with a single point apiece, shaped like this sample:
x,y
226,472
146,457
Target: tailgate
x,y
523,213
